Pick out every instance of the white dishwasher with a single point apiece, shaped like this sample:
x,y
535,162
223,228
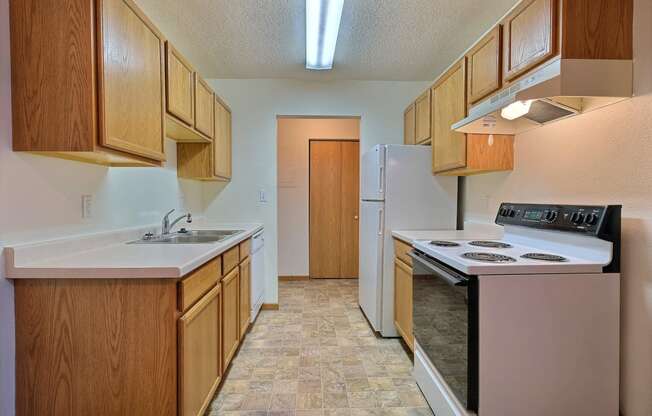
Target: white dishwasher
x,y
257,273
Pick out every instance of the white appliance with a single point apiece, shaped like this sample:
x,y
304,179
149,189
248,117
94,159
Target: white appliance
x,y
399,192
257,273
524,325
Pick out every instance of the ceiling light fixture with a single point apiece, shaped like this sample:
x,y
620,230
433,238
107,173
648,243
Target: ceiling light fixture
x,y
322,26
516,110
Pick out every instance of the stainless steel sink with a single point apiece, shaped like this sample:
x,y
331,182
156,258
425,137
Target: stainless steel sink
x,y
189,237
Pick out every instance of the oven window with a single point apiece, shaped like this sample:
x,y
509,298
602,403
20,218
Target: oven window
x,y
441,327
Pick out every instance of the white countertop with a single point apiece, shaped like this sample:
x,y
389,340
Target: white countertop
x,y
106,255
410,236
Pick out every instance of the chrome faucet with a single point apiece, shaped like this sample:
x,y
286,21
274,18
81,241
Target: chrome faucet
x,y
166,225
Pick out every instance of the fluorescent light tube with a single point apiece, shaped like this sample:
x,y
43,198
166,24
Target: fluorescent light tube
x,y
322,27
516,110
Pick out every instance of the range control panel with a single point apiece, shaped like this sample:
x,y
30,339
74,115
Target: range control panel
x,y
574,218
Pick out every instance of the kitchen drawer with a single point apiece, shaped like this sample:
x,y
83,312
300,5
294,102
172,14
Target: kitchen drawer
x,y
401,250
230,260
199,282
245,249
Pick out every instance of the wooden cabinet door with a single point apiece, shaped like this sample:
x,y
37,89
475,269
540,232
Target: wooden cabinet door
x,y
484,66
230,321
409,126
422,118
200,354
403,301
245,296
222,143
204,107
180,92
530,36
131,79
334,239
449,107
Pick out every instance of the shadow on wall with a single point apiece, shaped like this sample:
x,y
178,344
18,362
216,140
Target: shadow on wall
x,y
212,190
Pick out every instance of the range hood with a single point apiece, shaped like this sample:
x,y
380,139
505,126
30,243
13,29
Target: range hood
x,y
561,89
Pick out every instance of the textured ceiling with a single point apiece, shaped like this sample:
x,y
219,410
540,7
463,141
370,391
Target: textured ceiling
x,y
411,40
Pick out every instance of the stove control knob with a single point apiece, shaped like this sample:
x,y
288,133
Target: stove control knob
x,y
577,218
553,216
511,213
591,219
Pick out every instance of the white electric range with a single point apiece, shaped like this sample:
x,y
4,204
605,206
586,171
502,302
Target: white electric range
x,y
524,325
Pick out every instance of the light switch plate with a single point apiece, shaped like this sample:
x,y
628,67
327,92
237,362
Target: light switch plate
x,y
262,196
87,206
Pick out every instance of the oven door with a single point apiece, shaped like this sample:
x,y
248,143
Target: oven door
x,y
445,324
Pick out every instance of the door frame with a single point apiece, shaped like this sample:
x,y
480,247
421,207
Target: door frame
x,y
310,142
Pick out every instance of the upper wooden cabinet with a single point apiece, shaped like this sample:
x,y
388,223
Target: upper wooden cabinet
x,y
180,86
189,101
93,92
211,161
409,120
449,106
422,118
530,36
204,111
222,156
456,153
484,66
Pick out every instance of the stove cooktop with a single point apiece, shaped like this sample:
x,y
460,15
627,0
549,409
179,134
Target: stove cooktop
x,y
477,257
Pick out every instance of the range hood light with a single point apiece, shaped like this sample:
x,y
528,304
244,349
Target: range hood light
x,y
516,110
322,27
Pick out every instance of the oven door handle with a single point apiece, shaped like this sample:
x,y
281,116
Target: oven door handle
x,y
440,272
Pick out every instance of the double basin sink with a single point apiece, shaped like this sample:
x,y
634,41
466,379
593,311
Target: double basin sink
x,y
188,237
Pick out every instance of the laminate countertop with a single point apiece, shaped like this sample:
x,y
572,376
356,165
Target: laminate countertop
x,y
410,236
107,255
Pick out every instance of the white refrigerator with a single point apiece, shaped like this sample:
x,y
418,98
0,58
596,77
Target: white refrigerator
x,y
398,192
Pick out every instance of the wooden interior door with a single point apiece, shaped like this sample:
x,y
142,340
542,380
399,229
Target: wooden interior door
x,y
334,202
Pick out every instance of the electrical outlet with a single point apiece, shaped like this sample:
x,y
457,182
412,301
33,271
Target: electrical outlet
x,y
87,206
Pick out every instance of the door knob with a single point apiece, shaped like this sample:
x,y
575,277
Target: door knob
x,y
355,217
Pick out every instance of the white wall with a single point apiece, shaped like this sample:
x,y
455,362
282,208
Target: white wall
x,y
294,135
40,197
603,157
255,105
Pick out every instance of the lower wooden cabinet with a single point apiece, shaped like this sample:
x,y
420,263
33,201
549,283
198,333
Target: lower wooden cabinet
x,y
160,346
230,321
245,295
200,353
403,299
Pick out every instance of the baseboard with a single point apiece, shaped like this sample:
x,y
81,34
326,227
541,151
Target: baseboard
x,y
270,306
292,278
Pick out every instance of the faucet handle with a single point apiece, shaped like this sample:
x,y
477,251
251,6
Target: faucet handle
x,y
169,212
189,218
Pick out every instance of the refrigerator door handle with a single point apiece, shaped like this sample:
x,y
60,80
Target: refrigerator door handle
x,y
380,221
381,180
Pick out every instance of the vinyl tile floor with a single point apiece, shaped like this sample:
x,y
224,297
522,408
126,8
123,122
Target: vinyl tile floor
x,y
317,356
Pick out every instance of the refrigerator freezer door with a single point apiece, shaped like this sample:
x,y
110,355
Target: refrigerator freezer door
x,y
373,174
372,225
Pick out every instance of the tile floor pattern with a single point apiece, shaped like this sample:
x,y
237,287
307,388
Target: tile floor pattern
x,y
317,356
